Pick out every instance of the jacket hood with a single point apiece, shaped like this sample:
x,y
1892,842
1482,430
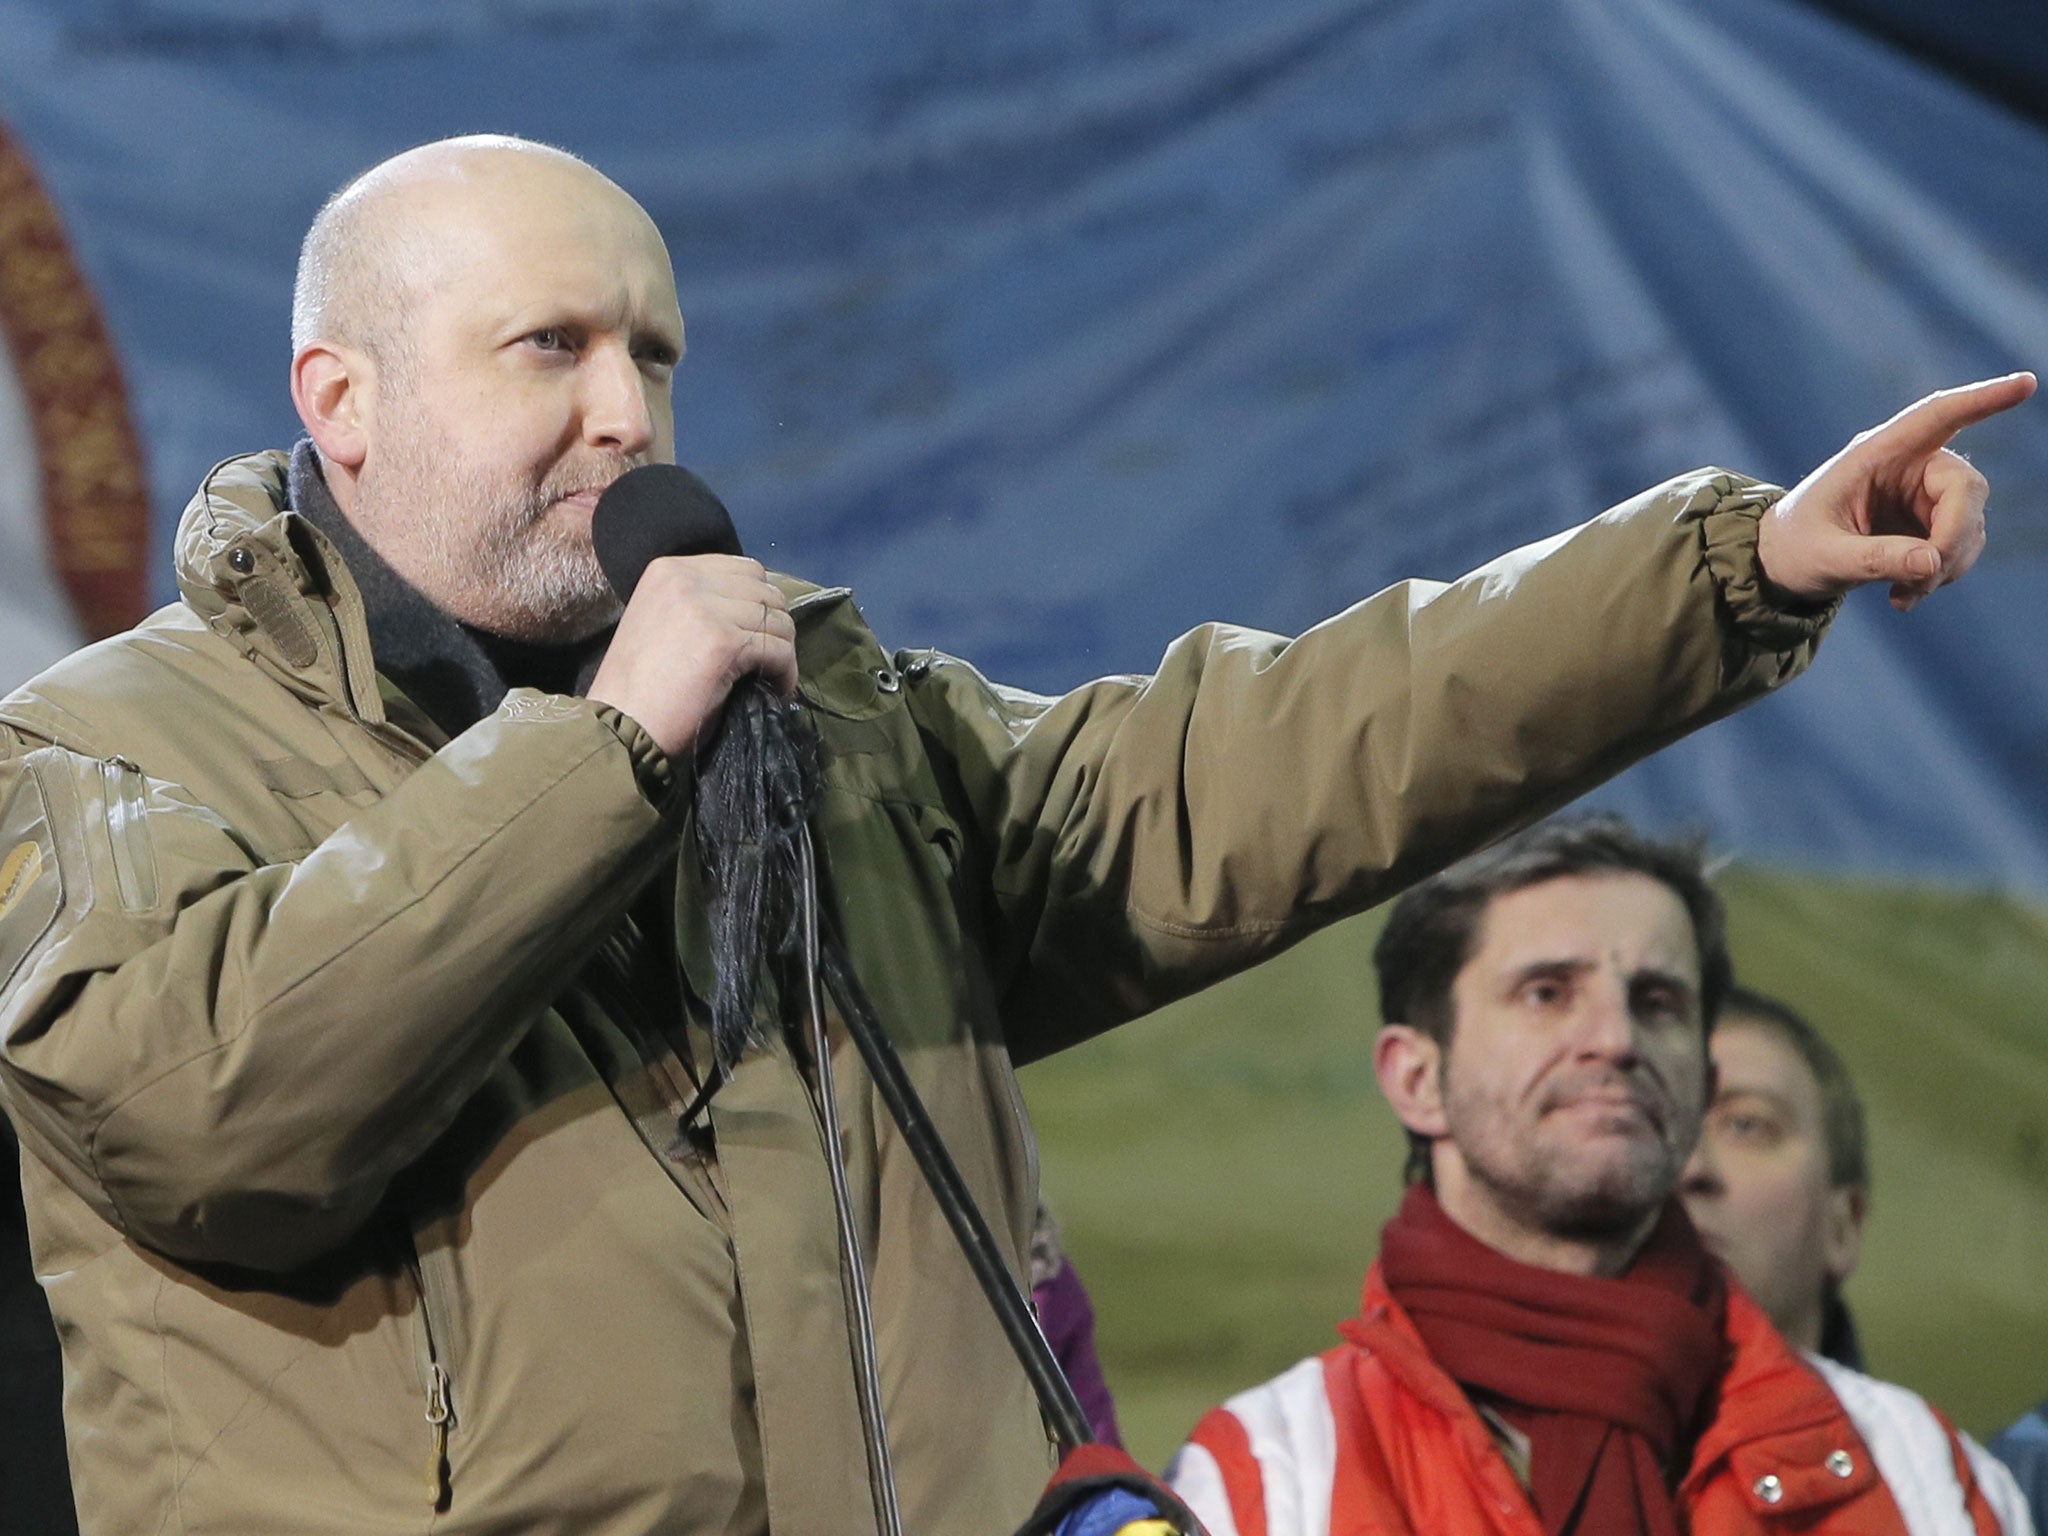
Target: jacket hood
x,y
272,585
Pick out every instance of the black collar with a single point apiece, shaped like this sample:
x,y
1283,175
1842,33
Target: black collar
x,y
456,673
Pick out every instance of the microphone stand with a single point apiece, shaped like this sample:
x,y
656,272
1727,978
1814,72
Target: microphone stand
x,y
1056,1399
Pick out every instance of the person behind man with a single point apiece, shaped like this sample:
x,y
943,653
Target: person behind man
x,y
2022,1447
1779,1184
1778,1188
379,1172
1067,1317
35,1483
1544,1345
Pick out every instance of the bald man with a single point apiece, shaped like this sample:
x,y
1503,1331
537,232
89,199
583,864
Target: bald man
x,y
351,983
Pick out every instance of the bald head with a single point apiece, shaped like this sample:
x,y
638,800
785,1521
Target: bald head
x,y
484,332
370,252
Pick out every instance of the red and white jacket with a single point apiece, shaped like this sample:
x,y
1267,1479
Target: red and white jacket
x,y
1371,1438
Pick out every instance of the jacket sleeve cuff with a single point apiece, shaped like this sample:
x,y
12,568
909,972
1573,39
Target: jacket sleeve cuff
x,y
1730,509
663,780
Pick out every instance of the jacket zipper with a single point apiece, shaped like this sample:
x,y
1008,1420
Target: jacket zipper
x,y
440,1410
134,870
440,1389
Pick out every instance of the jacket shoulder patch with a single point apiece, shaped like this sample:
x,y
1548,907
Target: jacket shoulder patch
x,y
31,883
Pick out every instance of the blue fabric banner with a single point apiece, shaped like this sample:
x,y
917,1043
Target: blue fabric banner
x,y
1057,326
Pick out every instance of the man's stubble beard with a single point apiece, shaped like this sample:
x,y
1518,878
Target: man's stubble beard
x,y
481,545
1546,1187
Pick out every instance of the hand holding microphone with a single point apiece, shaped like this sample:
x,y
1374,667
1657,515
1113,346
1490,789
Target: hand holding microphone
x,y
699,614
705,660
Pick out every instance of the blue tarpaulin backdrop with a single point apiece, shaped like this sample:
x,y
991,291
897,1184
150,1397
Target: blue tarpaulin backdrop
x,y
1057,326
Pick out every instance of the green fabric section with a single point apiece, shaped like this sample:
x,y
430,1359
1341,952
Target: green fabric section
x,y
1221,1168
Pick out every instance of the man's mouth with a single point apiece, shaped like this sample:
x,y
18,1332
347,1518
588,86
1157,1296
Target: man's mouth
x,y
1615,1105
579,501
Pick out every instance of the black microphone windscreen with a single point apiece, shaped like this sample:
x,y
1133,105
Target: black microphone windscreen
x,y
652,511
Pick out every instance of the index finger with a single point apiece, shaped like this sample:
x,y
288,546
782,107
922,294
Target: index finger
x,y
719,569
1928,424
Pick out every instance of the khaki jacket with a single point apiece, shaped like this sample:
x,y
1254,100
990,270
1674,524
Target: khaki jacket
x,y
348,1062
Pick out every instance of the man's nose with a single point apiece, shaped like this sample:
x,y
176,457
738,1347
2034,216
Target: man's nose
x,y
1606,1028
1702,1176
616,412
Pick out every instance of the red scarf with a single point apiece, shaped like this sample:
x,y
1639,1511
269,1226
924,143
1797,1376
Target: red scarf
x,y
1610,1379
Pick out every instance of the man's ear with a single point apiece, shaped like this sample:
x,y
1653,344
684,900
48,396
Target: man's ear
x,y
1842,1230
333,391
1409,1064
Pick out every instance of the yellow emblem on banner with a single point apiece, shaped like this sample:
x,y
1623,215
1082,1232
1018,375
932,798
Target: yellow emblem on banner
x,y
18,874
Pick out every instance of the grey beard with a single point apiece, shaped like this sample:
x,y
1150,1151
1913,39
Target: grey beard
x,y
507,575
529,583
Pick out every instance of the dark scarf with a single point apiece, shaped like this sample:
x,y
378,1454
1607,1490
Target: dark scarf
x,y
455,673
1610,1379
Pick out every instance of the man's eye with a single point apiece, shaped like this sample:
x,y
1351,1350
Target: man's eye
x,y
1758,1129
1543,994
550,338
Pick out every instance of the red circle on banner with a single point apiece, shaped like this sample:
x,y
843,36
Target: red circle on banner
x,y
95,502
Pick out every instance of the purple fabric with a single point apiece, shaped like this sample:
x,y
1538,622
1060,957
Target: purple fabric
x,y
1069,1323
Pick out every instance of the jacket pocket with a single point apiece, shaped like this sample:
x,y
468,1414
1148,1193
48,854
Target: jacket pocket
x,y
126,800
430,1337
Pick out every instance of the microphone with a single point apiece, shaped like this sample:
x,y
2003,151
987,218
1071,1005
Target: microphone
x,y
652,511
760,764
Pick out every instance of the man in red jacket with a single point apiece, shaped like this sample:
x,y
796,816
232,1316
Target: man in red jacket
x,y
1544,1346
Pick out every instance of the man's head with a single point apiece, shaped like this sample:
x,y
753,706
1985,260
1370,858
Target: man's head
x,y
1780,1182
1546,1005
483,332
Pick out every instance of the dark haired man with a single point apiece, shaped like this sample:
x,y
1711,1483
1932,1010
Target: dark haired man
x,y
1544,1346
1778,1187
